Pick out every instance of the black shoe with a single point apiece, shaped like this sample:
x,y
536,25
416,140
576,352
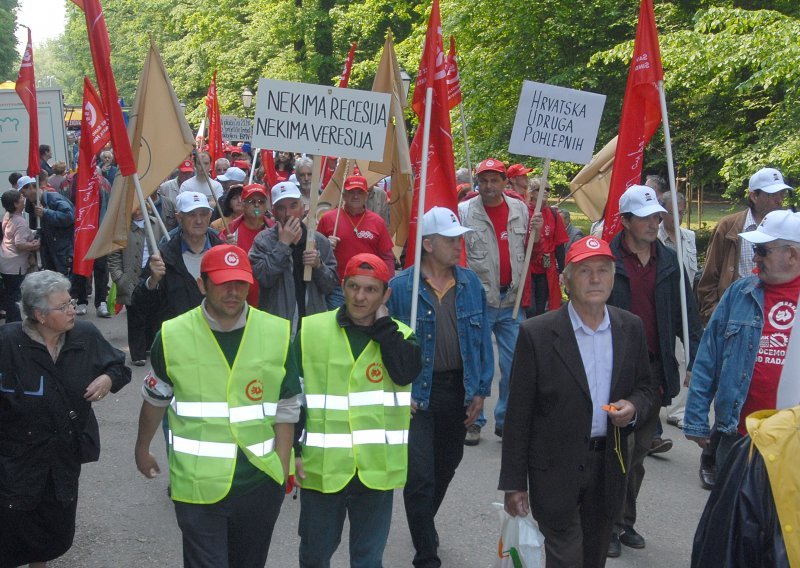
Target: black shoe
x,y
659,446
708,476
498,431
614,548
629,537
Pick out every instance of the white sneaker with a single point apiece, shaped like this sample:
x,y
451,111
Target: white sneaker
x,y
81,310
102,311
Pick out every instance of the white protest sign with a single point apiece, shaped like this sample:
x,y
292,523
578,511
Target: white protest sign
x,y
319,120
556,122
236,128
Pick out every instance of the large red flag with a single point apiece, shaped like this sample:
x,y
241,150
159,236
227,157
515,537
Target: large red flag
x,y
453,80
641,115
101,57
268,163
440,184
215,148
95,134
26,89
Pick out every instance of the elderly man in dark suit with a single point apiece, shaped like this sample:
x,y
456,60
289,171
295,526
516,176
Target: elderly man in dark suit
x,y
580,382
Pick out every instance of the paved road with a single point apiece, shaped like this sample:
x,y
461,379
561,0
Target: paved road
x,y
125,520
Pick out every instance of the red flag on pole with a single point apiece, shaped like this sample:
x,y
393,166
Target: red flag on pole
x,y
95,134
641,115
453,80
348,67
101,57
214,124
440,185
268,163
26,89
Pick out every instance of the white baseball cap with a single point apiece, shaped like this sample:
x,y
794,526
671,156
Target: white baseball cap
x,y
25,180
442,221
641,201
188,201
782,224
769,180
233,174
285,190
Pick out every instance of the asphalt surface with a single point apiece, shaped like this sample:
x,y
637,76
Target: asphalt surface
x,y
126,520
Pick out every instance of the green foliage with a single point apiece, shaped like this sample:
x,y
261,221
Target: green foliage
x,y
9,58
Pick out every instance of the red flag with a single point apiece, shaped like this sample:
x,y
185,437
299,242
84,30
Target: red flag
x,y
641,115
26,89
268,163
453,80
101,57
215,148
348,66
95,134
440,183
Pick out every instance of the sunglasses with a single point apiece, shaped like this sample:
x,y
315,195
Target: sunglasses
x,y
256,202
763,251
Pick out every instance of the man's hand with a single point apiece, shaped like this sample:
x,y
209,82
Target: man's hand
x,y
231,239
311,258
290,231
536,226
334,241
38,210
299,472
699,440
157,271
474,410
688,379
624,413
146,463
383,311
516,503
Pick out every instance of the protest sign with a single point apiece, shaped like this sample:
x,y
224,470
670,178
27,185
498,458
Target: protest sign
x,y
557,123
319,120
236,129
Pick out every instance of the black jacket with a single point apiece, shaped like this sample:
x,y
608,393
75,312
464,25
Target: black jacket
x,y
177,292
37,436
668,311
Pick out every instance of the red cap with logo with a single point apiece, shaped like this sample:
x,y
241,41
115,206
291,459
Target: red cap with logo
x,y
186,166
588,247
252,189
356,182
367,264
227,263
491,165
517,170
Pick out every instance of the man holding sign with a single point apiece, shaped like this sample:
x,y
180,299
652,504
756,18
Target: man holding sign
x,y
495,251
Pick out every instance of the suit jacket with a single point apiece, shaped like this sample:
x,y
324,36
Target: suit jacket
x,y
549,417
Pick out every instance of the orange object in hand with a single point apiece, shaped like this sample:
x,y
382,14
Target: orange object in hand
x,y
609,407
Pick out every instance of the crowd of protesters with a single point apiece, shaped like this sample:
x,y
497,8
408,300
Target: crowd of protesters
x,y
234,274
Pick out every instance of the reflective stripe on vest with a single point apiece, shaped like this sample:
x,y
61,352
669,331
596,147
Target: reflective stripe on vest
x,y
221,412
357,418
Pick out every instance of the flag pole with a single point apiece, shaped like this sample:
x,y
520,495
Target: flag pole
x,y
311,219
148,228
157,215
676,223
531,239
253,166
423,180
198,164
466,145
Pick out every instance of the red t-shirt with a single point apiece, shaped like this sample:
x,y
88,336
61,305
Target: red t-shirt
x,y
358,233
780,306
498,215
552,235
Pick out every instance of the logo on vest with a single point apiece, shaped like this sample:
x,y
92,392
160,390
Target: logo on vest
x,y
375,372
232,259
254,390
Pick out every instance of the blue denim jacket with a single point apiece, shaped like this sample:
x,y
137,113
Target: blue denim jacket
x,y
474,334
725,359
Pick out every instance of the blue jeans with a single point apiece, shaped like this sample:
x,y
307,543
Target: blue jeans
x,y
505,329
322,519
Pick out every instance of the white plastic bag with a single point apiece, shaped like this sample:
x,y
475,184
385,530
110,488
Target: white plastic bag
x,y
521,545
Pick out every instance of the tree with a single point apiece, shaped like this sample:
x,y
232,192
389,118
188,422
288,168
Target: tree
x,y
9,58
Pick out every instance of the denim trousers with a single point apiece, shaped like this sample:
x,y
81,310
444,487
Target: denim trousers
x,y
322,519
435,449
505,329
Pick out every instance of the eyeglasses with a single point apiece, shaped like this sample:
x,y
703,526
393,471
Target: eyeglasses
x,y
763,251
256,202
63,308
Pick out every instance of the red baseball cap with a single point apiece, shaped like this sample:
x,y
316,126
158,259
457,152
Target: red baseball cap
x,y
517,170
244,164
186,166
491,165
367,264
227,263
250,190
356,182
588,247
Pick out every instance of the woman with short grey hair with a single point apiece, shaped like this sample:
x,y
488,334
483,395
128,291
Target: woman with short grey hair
x,y
52,368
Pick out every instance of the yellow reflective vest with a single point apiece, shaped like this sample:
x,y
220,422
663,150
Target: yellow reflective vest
x,y
357,418
218,409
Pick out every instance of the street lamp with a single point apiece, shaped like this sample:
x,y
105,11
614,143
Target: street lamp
x,y
247,101
406,78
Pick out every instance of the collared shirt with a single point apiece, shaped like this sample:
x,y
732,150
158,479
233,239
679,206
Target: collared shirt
x,y
688,248
447,351
746,264
597,355
643,291
193,259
